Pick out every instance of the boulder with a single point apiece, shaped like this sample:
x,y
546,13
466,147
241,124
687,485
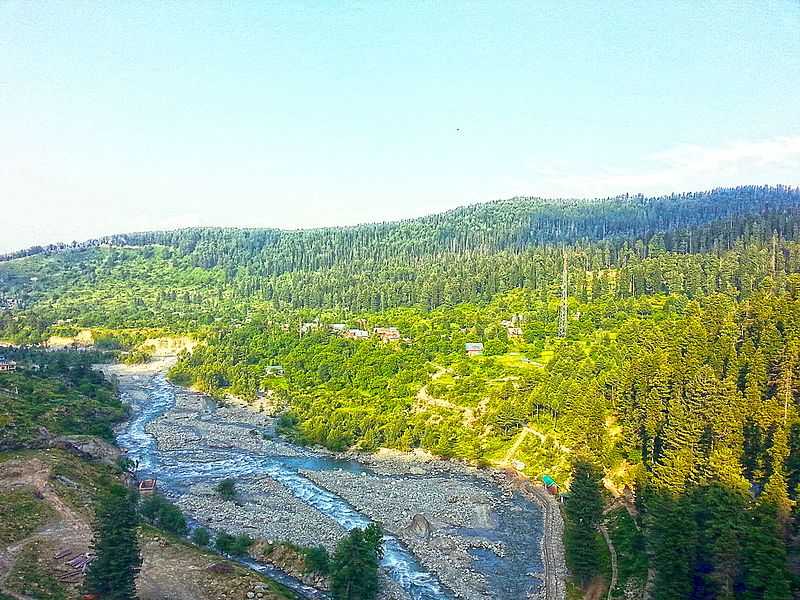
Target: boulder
x,y
420,527
220,568
483,515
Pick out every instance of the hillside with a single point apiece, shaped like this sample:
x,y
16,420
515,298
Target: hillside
x,y
673,392
57,461
46,504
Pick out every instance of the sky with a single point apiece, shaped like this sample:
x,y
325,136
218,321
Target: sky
x,y
127,116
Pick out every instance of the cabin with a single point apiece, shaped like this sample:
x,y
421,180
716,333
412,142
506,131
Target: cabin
x,y
274,370
7,366
356,334
550,485
388,334
147,487
308,327
512,327
474,348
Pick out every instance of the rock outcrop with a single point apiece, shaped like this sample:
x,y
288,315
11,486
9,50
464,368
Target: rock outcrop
x,y
420,527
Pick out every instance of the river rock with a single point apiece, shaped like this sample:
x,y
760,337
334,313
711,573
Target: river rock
x,y
485,517
420,527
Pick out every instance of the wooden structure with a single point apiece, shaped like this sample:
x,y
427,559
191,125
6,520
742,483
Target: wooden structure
x,y
388,334
147,487
550,484
474,348
356,334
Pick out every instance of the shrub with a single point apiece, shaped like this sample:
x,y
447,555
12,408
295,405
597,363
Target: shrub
x,y
201,537
233,545
227,489
161,513
317,560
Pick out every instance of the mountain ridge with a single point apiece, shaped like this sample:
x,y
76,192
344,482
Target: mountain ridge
x,y
470,212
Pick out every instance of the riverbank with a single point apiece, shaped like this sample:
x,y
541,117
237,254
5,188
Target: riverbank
x,y
479,538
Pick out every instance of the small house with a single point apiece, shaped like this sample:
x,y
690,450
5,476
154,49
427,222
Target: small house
x,y
550,484
308,327
356,334
388,334
274,370
474,348
6,366
512,327
339,327
147,487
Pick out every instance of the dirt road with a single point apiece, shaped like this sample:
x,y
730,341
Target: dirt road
x,y
552,542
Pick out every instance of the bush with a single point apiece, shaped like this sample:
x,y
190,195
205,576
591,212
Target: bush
x,y
233,545
137,357
161,513
227,489
201,537
317,560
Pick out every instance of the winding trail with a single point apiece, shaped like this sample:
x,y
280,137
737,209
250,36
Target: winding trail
x,y
515,446
524,432
613,552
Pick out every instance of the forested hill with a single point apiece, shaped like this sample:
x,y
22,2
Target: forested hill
x,y
691,244
504,225
676,382
513,224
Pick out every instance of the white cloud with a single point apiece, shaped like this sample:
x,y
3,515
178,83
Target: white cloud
x,y
686,167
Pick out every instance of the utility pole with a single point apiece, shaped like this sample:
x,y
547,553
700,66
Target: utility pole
x,y
774,253
562,313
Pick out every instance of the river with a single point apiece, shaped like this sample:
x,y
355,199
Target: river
x,y
181,468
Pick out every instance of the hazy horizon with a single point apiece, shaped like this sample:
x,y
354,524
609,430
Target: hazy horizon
x,y
150,116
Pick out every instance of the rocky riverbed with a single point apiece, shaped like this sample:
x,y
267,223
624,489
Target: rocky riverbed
x,y
477,537
472,538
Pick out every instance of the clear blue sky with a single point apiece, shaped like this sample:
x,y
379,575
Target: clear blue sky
x,y
119,116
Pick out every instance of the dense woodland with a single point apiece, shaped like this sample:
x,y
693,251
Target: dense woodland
x,y
676,385
63,397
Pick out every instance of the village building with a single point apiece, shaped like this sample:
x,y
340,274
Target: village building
x,y
6,366
275,370
147,487
512,326
388,334
550,484
308,327
9,303
474,348
339,327
356,334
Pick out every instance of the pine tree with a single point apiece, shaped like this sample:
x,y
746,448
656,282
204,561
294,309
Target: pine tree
x,y
112,574
355,565
584,509
765,574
